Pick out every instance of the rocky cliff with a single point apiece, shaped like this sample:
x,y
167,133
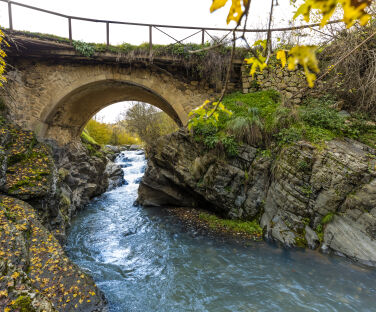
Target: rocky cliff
x,y
41,187
321,197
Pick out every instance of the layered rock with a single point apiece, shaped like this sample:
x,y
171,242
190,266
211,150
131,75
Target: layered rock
x,y
304,196
41,187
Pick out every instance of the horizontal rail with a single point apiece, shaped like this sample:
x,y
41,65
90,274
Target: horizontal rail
x,y
256,30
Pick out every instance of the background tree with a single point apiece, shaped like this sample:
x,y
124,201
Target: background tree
x,y
148,122
142,123
99,131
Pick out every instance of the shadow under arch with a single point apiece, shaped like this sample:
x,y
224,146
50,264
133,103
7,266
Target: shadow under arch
x,y
72,112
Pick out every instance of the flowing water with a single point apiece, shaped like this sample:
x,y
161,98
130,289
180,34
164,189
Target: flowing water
x,y
143,260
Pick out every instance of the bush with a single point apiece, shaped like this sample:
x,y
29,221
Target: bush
x,y
246,118
318,113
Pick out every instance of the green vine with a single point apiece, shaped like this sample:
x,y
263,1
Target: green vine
x,y
84,48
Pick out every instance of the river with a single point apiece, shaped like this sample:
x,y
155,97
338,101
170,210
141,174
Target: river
x,y
145,260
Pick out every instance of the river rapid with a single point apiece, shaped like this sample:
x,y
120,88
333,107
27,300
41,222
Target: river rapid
x,y
145,260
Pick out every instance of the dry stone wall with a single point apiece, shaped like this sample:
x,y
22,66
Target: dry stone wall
x,y
289,83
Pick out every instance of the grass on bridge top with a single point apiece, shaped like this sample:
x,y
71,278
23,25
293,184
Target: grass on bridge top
x,y
208,65
174,49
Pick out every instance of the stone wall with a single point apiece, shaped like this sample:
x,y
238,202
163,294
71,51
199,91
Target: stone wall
x,y
289,83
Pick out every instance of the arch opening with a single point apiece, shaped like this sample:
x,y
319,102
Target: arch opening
x,y
128,123
68,117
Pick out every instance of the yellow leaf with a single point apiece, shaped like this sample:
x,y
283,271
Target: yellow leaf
x,y
15,275
281,55
217,4
306,57
353,10
257,64
236,9
3,293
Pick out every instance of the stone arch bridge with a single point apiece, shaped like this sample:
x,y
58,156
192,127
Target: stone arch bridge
x,y
54,91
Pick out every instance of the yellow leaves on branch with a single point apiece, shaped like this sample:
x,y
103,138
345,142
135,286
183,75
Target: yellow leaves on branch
x,y
281,55
2,58
236,9
353,10
303,55
258,61
208,112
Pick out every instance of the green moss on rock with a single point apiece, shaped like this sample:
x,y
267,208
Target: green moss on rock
x,y
23,304
238,226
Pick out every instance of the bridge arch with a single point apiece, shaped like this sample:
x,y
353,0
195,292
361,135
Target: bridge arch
x,y
56,99
72,112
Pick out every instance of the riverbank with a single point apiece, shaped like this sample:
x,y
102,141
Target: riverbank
x,y
207,223
42,186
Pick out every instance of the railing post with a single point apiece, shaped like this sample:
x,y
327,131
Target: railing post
x,y
203,37
150,40
70,29
10,15
108,33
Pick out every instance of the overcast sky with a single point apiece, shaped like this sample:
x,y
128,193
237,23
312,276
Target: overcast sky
x,y
167,12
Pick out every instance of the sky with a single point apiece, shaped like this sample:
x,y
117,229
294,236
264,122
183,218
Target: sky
x,y
167,12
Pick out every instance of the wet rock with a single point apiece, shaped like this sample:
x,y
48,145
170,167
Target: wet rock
x,y
353,236
129,232
312,238
115,175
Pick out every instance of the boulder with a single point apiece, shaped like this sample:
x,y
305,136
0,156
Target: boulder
x,y
115,175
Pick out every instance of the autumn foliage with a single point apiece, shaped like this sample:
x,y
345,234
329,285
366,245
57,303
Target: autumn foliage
x,y
353,11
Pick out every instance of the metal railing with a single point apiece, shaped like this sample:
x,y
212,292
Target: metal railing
x,y
203,30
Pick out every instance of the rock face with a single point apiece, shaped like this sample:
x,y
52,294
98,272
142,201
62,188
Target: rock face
x,y
305,196
36,275
41,187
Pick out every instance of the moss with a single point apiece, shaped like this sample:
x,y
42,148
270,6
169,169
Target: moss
x,y
247,227
303,166
327,218
320,232
307,190
300,241
23,304
87,138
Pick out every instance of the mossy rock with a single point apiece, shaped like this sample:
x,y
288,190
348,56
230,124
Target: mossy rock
x,y
23,304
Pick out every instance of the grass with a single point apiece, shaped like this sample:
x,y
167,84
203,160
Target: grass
x,y
237,226
171,49
86,138
261,120
209,65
